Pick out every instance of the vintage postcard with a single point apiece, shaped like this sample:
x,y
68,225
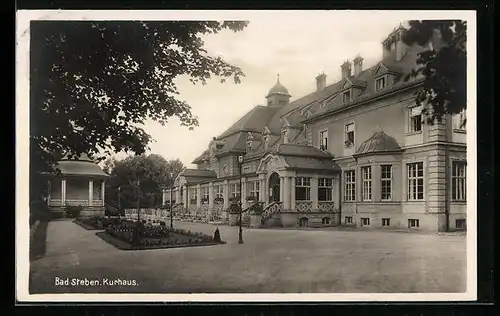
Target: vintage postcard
x,y
245,156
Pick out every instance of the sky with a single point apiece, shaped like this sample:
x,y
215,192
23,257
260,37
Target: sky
x,y
296,49
297,45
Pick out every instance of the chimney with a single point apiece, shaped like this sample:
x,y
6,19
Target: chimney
x,y
401,47
321,82
346,69
358,65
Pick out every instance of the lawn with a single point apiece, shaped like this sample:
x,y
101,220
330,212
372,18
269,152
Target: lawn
x,y
269,261
38,243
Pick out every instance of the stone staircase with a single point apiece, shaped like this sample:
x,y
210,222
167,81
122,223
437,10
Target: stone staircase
x,y
270,211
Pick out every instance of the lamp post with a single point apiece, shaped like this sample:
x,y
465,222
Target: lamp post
x,y
170,202
138,185
240,237
120,200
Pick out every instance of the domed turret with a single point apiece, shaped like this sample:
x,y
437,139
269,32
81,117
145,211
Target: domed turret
x,y
278,95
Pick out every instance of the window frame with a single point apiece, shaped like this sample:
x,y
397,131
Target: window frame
x,y
379,79
218,191
347,142
412,193
460,117
458,181
349,93
254,188
350,185
366,183
320,139
234,190
348,220
411,129
325,184
303,182
386,182
363,219
413,223
386,221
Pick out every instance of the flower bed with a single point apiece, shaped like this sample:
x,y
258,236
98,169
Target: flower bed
x,y
97,222
153,237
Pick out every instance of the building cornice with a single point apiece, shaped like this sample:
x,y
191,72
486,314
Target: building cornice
x,y
375,97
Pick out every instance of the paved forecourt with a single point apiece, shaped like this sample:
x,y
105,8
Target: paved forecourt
x,y
270,260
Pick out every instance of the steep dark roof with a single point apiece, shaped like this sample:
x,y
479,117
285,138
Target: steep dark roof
x,y
202,173
379,142
81,168
278,88
255,120
301,151
205,155
311,163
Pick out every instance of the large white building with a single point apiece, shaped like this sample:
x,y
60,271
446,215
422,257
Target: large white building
x,y
354,152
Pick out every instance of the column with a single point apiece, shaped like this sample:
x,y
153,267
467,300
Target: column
x,y
63,192
103,190
198,196
292,194
286,193
211,195
335,191
225,189
91,192
244,193
262,189
314,192
282,188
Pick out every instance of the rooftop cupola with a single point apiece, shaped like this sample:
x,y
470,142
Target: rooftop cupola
x,y
278,95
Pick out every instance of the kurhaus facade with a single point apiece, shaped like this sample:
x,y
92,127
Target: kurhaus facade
x,y
355,152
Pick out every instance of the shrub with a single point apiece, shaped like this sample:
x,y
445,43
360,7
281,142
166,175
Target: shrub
x,y
73,211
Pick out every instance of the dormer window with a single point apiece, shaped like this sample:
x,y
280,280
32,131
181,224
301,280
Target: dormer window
x,y
265,140
346,96
380,84
249,146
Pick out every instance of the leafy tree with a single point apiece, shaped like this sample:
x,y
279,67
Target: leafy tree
x,y
95,83
444,66
153,173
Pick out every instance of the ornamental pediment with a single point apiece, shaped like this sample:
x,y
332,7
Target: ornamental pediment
x,y
271,163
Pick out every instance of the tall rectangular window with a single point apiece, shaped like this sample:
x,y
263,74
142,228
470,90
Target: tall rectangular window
x,y
249,146
218,191
235,190
415,181
253,189
415,119
366,173
349,135
350,185
205,193
386,182
325,189
323,140
302,189
458,180
380,84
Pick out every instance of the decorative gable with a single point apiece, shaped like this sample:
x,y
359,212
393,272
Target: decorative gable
x,y
384,76
266,131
